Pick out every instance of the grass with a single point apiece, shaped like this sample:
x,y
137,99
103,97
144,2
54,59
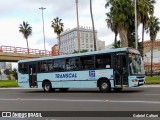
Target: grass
x,y
13,83
153,80
8,83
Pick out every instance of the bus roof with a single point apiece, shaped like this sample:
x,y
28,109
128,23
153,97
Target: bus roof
x,y
80,54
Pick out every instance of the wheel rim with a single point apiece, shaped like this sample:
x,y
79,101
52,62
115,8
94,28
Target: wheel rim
x,y
47,87
104,85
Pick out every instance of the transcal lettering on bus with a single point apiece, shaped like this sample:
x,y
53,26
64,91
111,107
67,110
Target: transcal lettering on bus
x,y
66,75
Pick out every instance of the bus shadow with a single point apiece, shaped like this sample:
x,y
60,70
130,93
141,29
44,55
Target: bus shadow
x,y
88,91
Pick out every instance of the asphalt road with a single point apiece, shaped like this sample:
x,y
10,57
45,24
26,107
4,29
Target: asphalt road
x,y
129,99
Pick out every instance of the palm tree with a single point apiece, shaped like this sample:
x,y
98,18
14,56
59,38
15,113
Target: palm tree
x,y
26,30
122,12
94,36
57,25
145,8
112,26
153,29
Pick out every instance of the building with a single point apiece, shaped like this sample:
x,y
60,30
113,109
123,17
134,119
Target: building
x,y
69,40
55,50
156,56
100,45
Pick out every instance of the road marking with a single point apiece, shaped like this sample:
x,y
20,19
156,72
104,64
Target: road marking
x,y
83,100
57,100
152,94
149,102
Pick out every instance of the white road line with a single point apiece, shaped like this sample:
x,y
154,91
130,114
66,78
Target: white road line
x,y
148,102
56,100
152,94
71,100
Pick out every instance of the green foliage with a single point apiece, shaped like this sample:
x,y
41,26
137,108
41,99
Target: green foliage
x,y
26,30
7,71
14,72
122,17
153,27
57,25
117,44
82,51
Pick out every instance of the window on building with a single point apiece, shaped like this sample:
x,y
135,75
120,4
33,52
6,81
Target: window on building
x,y
86,45
86,40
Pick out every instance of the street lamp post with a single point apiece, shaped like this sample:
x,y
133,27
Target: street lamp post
x,y
136,30
78,34
42,8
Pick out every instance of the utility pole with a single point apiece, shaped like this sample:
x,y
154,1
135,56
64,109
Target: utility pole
x,y
42,8
78,35
136,30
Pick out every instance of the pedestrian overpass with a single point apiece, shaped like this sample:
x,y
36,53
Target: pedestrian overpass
x,y
13,54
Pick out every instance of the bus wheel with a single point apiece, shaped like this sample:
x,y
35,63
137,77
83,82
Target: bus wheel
x,y
104,86
117,89
63,89
47,87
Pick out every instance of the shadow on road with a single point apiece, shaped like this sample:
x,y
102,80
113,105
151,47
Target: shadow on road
x,y
87,91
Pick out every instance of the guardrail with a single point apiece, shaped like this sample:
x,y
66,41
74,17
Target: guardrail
x,y
11,49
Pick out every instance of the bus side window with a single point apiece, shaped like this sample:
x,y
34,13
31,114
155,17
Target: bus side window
x,y
87,62
103,61
22,68
59,65
68,64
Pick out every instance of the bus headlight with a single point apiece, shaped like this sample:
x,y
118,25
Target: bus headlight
x,y
134,80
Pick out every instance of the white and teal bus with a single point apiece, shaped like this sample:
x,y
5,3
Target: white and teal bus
x,y
106,70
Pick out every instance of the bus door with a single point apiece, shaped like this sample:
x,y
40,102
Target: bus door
x,y
33,75
120,69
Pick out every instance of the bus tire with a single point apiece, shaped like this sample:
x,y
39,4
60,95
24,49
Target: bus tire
x,y
63,89
104,86
117,89
47,87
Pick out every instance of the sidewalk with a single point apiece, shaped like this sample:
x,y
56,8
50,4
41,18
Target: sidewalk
x,y
152,85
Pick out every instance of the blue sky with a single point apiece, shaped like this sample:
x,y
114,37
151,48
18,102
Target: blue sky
x,y
14,12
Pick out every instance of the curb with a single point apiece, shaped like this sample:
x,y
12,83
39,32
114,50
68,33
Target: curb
x,y
150,86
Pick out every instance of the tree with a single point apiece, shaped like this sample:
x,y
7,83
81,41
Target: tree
x,y
94,36
121,12
7,72
145,8
112,26
26,30
81,51
153,29
14,72
57,25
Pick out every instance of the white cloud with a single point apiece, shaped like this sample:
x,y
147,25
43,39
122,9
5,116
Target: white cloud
x,y
13,13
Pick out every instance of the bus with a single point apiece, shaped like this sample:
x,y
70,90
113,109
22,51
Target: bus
x,y
109,69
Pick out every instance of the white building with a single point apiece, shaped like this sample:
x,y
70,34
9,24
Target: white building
x,y
156,56
100,45
69,41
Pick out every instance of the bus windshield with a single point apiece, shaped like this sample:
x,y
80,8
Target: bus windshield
x,y
136,64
